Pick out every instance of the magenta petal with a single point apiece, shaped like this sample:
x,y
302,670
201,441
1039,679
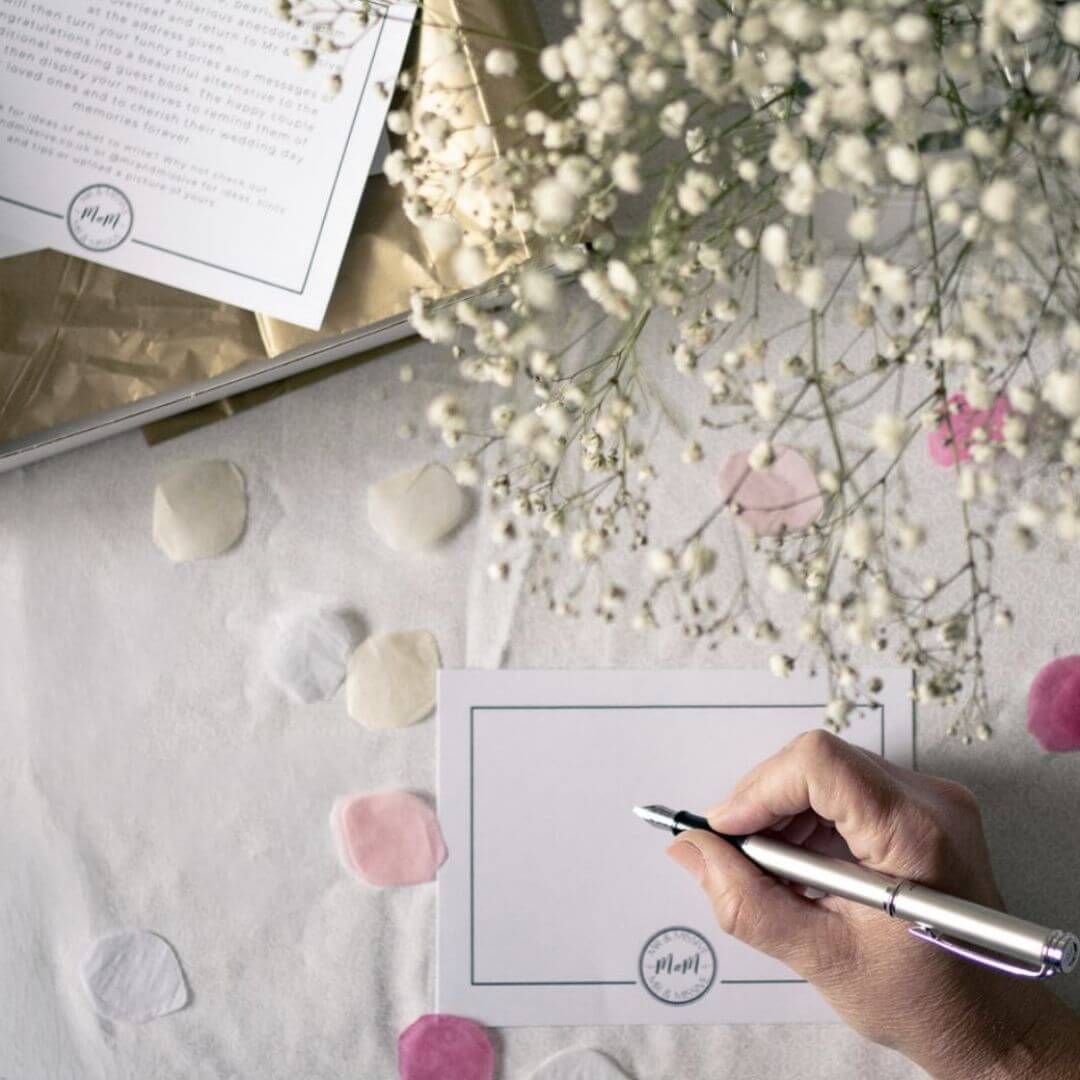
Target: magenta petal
x,y
443,1047
1054,705
950,441
783,496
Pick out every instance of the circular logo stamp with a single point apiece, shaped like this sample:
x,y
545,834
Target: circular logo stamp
x,y
677,965
100,217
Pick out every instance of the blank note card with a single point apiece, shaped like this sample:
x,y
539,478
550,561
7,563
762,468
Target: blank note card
x,y
557,905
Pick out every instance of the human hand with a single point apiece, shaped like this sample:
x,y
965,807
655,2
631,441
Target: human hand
x,y
953,1018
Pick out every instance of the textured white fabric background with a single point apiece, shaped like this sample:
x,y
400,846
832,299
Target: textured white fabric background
x,y
149,776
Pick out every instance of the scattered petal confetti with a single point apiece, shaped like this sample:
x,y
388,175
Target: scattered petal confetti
x,y
306,653
1054,705
200,510
388,837
415,509
391,679
951,440
133,975
783,496
445,1048
579,1064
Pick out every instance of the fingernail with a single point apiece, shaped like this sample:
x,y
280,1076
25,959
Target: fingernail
x,y
689,857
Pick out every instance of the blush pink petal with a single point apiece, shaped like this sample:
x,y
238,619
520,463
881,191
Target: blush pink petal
x,y
784,496
951,439
389,838
1054,705
439,1047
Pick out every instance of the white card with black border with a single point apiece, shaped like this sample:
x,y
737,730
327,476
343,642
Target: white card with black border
x,y
556,904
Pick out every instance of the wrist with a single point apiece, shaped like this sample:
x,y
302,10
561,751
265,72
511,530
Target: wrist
x,y
1049,1048
1037,1039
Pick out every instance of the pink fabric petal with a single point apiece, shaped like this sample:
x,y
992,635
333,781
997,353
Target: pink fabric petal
x,y
784,496
445,1048
951,439
1054,705
389,838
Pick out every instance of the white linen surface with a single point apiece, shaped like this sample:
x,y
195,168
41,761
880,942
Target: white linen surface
x,y
152,777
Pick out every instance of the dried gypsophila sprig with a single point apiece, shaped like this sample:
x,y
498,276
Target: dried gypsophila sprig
x,y
677,167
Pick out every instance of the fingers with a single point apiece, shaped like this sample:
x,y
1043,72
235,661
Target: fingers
x,y
840,783
758,909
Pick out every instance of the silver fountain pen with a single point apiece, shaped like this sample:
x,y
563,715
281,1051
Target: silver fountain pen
x,y
981,934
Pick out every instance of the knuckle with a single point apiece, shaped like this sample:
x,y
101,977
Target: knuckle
x,y
915,839
819,745
960,799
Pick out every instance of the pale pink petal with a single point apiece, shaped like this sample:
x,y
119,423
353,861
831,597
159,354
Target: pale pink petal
x,y
784,496
388,837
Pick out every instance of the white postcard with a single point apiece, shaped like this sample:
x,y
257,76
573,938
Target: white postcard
x,y
182,143
556,904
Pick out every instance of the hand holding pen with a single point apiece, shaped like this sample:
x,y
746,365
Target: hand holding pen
x,y
953,1018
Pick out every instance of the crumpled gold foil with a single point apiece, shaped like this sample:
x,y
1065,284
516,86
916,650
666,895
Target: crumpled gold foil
x,y
77,338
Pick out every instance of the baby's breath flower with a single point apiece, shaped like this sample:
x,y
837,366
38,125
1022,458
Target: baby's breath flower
x,y
888,432
887,223
762,456
1061,391
501,62
661,563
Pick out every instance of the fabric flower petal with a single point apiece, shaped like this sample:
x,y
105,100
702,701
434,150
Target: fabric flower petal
x,y
784,496
388,838
133,976
1054,705
437,1047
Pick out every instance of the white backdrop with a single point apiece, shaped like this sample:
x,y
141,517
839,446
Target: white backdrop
x,y
149,776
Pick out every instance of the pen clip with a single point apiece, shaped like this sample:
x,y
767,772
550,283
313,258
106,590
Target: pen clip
x,y
988,960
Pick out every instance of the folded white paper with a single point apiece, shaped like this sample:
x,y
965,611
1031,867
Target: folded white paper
x,y
182,143
557,905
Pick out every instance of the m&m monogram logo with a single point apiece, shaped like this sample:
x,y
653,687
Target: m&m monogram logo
x,y
100,217
677,966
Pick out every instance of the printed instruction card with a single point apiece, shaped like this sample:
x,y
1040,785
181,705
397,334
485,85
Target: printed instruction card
x,y
556,904
178,140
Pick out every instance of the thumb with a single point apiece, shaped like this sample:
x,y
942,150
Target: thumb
x,y
761,910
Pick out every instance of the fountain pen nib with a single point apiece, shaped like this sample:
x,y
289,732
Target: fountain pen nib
x,y
659,817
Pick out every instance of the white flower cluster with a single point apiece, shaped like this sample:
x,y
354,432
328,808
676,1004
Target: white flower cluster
x,y
678,159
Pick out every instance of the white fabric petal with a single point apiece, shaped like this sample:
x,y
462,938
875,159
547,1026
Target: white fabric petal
x,y
133,975
391,679
415,509
578,1064
306,653
200,510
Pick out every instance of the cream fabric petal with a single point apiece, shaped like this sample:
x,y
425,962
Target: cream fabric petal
x,y
306,651
415,509
133,975
200,510
579,1064
391,679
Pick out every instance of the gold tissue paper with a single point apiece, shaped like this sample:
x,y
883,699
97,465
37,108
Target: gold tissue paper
x,y
78,339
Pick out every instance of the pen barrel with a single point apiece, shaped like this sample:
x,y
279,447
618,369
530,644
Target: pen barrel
x,y
948,916
987,928
834,876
